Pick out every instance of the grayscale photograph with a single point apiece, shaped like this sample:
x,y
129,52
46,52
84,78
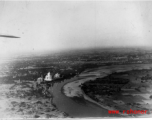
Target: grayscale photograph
x,y
75,59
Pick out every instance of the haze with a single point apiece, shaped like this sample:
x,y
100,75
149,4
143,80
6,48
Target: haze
x,y
73,25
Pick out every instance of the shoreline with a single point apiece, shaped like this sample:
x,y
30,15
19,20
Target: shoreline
x,y
64,113
85,97
80,92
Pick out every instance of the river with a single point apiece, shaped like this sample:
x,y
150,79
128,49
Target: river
x,y
79,108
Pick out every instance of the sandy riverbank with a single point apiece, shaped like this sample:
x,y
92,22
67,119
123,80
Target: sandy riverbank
x,y
76,91
73,89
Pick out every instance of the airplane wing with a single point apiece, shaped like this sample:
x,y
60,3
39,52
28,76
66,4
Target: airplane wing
x,y
9,36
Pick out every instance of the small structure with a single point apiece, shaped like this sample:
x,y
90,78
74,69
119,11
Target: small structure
x,y
39,80
17,81
57,75
48,77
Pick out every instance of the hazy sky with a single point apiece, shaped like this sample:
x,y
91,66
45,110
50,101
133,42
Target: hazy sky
x,y
68,25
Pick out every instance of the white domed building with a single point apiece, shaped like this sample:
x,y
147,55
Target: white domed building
x,y
48,77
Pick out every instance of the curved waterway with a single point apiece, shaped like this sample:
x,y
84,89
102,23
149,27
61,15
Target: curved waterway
x,y
78,107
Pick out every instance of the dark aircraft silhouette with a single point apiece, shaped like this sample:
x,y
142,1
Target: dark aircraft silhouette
x,y
9,36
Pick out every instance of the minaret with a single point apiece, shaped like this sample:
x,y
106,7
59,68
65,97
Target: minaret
x,y
48,77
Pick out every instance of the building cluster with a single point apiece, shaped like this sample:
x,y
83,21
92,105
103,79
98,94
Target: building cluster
x,y
49,77
41,83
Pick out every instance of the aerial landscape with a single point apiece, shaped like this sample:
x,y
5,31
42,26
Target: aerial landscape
x,y
105,79
75,59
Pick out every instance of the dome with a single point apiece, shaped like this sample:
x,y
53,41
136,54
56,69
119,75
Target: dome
x,y
48,77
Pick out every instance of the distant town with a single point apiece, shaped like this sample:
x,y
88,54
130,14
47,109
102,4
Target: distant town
x,y
69,64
